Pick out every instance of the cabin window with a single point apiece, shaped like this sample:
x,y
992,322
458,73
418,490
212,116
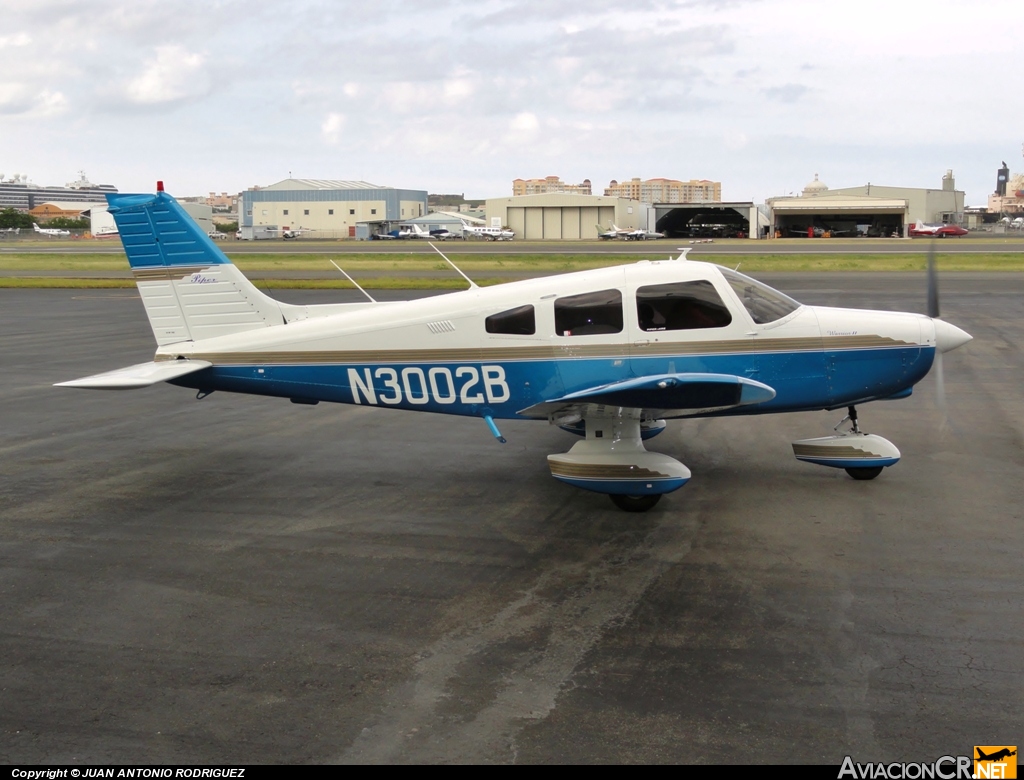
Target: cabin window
x,y
588,314
762,302
519,321
681,306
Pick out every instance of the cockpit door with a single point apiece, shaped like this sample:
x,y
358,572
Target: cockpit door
x,y
684,323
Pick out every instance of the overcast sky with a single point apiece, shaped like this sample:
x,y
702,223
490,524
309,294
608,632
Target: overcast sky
x,y
466,96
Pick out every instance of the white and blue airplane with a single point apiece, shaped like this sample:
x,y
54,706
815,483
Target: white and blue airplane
x,y
608,354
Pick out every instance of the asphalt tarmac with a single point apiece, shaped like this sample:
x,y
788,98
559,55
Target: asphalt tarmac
x,y
244,580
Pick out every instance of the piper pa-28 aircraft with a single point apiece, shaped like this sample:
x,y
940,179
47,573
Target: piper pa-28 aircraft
x,y
608,354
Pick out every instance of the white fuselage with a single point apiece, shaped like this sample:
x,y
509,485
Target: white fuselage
x,y
435,354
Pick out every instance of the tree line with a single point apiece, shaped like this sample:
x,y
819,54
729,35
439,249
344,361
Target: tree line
x,y
12,218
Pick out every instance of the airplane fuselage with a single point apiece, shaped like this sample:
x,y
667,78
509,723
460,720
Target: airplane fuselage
x,y
436,354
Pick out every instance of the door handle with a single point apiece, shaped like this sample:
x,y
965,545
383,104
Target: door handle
x,y
642,343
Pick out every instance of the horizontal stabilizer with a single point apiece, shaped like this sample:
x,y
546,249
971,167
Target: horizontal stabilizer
x,y
664,392
142,375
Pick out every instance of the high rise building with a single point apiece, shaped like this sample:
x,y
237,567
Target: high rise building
x,y
549,184
667,190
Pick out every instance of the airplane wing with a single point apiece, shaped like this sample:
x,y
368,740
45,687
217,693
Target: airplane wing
x,y
141,375
672,395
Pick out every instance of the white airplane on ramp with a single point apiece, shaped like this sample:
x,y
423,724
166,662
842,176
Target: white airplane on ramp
x,y
50,231
607,354
490,233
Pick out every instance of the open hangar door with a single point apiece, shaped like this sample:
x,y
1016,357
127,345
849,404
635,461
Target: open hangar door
x,y
821,220
705,220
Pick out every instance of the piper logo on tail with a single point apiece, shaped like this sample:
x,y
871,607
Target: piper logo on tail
x,y
995,761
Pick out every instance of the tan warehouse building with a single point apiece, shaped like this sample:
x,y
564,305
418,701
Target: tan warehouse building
x,y
563,217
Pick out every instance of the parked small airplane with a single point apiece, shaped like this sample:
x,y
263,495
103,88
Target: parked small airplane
x,y
643,235
921,229
50,231
443,234
609,354
627,234
490,233
402,233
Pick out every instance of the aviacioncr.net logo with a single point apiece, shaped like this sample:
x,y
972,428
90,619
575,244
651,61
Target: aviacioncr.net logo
x,y
995,762
943,768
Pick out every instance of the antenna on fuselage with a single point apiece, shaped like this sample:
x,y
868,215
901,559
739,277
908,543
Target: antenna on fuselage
x,y
372,299
684,251
472,284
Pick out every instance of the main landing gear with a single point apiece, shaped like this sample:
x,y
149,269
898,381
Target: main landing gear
x,y
612,460
861,455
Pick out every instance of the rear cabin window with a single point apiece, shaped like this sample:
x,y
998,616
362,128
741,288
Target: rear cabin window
x,y
519,321
588,314
681,306
764,303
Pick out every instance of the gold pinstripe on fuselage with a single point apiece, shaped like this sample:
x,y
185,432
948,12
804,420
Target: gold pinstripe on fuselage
x,y
546,351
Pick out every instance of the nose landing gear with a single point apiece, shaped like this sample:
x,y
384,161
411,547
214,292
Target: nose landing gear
x,y
861,455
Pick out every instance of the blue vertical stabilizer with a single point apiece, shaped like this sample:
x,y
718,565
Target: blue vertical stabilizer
x,y
156,231
190,289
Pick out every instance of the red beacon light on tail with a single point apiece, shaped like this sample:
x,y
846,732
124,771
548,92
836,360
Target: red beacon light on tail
x,y
160,186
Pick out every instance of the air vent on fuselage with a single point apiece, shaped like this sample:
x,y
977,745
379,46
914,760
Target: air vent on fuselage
x,y
441,326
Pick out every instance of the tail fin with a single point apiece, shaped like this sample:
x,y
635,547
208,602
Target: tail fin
x,y
35,227
190,288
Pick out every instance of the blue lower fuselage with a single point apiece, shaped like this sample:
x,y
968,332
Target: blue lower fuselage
x,y
802,380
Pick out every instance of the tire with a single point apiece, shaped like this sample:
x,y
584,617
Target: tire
x,y
635,503
864,472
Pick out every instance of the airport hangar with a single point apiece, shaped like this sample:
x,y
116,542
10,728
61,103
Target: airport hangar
x,y
708,220
868,210
329,207
564,216
451,221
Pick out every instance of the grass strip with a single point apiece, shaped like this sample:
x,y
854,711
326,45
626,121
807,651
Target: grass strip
x,y
525,265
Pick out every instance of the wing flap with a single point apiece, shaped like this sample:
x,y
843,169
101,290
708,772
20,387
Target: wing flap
x,y
141,375
663,392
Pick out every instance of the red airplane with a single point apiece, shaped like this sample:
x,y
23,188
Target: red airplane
x,y
919,229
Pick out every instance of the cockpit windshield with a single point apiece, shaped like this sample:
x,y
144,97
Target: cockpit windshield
x,y
764,303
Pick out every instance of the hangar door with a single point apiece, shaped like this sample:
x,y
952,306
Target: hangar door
x,y
551,223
